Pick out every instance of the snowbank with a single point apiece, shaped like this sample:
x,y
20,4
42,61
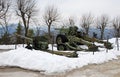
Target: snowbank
x,y
11,46
7,46
50,63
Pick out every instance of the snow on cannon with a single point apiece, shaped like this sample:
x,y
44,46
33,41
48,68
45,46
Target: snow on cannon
x,y
71,39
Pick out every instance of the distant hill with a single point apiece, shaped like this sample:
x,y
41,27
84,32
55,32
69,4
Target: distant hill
x,y
11,28
43,29
108,33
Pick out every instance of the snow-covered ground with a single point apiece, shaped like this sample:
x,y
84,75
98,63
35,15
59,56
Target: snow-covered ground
x,y
50,63
11,46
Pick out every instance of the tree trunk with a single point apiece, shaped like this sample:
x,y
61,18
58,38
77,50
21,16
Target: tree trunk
x,y
102,34
49,35
87,30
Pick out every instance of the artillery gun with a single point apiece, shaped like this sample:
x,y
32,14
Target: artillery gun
x,y
71,39
36,43
41,44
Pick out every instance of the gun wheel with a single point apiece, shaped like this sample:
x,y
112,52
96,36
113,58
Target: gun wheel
x,y
61,39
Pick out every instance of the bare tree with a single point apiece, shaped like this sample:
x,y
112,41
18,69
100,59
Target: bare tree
x,y
4,19
86,22
68,23
4,16
116,26
71,21
4,6
5,31
26,9
50,16
102,23
38,31
4,23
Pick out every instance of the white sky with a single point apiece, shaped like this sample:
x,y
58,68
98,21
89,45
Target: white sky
x,y
78,7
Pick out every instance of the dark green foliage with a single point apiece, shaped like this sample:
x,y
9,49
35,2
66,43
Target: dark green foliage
x,y
30,33
5,38
19,31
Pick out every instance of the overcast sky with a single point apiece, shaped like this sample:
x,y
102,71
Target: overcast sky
x,y
79,7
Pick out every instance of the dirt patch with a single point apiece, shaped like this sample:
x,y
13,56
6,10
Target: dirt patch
x,y
19,72
5,50
108,69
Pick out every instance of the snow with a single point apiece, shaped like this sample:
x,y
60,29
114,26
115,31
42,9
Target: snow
x,y
11,46
50,63
54,47
7,46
